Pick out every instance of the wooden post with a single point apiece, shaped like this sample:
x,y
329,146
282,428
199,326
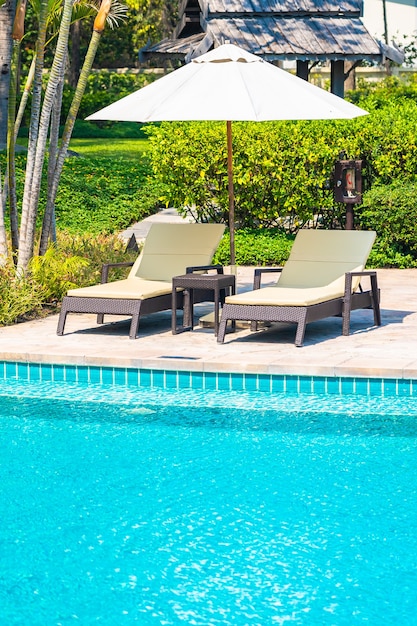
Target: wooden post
x,y
349,217
337,78
303,70
231,193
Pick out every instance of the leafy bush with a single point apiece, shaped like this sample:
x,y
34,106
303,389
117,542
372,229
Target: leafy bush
x,y
386,141
21,297
391,210
389,89
96,250
75,262
281,170
56,273
266,246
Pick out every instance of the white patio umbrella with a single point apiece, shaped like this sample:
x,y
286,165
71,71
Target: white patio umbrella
x,y
229,84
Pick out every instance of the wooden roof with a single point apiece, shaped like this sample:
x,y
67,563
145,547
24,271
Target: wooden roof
x,y
302,30
276,7
312,38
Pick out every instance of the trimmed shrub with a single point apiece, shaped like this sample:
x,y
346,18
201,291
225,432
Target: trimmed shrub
x,y
391,210
281,170
264,246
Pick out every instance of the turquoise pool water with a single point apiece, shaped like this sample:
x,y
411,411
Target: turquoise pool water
x,y
158,504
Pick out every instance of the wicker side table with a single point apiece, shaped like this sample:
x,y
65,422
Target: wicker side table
x,y
219,284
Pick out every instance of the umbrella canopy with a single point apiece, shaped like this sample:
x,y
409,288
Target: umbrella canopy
x,y
229,84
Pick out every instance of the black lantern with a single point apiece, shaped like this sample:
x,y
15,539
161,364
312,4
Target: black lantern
x,y
348,185
348,181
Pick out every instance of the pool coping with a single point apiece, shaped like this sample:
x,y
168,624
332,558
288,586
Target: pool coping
x,y
182,364
183,380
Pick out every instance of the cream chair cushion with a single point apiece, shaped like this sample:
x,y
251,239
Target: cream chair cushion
x,y
168,250
315,270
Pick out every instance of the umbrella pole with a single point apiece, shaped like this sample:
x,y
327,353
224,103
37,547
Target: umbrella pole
x,y
231,193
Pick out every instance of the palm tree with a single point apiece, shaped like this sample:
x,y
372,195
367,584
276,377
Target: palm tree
x,y
39,125
7,12
59,156
44,120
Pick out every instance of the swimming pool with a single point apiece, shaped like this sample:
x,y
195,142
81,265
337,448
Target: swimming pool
x,y
161,503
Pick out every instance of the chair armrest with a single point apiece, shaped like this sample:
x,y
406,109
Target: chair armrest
x,y
363,273
200,268
263,270
105,269
348,298
349,275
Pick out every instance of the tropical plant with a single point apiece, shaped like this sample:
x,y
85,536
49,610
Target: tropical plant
x,y
21,296
56,273
44,124
75,261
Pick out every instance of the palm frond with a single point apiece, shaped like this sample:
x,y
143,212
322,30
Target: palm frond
x,y
82,9
118,12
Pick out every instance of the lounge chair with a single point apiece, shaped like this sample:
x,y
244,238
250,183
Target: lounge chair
x,y
320,279
169,250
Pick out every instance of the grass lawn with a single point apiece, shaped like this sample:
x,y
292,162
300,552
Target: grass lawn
x,y
113,148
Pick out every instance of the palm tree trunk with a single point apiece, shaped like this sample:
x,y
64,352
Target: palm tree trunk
x,y
99,24
34,118
7,13
49,216
11,143
25,96
74,70
3,237
31,198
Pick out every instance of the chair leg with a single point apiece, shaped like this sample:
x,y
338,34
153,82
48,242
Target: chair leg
x,y
100,318
62,318
222,326
134,324
347,305
188,309
375,301
301,329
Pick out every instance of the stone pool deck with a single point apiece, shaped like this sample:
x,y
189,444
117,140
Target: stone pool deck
x,y
389,351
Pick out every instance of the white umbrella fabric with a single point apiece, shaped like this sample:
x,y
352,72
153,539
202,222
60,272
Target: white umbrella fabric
x,y
229,84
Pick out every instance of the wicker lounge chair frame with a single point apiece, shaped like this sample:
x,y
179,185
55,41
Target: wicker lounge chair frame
x,y
302,315
136,307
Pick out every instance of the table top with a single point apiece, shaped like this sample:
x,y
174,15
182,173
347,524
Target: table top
x,y
201,279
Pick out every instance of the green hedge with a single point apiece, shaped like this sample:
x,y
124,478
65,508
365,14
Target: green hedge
x,y
260,246
282,170
391,210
